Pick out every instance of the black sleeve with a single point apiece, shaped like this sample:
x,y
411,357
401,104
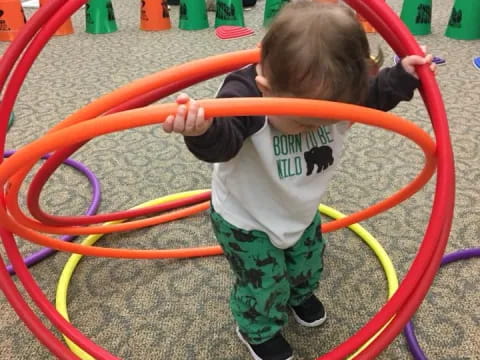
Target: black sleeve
x,y
224,139
389,87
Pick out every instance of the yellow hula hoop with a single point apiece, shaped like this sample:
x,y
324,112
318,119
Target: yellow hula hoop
x,y
74,259
67,273
387,265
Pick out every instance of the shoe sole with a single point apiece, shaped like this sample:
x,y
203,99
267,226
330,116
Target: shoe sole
x,y
307,324
255,356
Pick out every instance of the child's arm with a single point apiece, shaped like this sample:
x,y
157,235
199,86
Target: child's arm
x,y
396,84
219,139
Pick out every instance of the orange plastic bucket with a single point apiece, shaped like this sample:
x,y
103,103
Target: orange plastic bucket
x,y
154,15
66,28
12,19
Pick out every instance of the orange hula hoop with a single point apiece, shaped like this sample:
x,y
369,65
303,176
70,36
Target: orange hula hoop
x,y
214,64
213,108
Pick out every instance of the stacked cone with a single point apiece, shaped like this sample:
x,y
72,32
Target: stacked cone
x,y
12,19
66,28
464,23
99,17
229,12
154,15
365,24
193,15
367,27
417,15
272,7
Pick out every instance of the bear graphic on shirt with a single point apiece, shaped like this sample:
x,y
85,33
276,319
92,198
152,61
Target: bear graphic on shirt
x,y
299,154
320,156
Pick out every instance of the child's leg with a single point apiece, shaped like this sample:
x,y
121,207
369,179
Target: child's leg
x,y
305,263
259,297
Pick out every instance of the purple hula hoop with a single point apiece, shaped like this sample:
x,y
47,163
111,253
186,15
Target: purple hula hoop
x,y
92,209
409,330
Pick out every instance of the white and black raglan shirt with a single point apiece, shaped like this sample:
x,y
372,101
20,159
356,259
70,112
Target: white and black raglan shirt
x,y
269,181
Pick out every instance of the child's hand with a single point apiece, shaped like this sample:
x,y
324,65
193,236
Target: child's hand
x,y
189,120
409,63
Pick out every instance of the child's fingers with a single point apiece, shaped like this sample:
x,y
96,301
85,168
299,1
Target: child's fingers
x,y
191,116
202,123
417,60
182,98
179,121
168,124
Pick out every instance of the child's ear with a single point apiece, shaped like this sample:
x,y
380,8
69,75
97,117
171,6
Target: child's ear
x,y
262,84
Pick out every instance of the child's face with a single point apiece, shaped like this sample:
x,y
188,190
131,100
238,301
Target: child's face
x,y
289,125
292,125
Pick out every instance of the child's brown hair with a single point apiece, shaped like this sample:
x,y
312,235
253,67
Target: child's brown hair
x,y
316,50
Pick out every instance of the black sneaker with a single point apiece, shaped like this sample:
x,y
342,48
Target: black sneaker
x,y
310,313
277,348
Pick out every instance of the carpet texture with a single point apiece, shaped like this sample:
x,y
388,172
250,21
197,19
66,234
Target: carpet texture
x,y
178,309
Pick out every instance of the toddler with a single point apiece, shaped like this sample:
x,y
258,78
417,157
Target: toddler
x,y
270,171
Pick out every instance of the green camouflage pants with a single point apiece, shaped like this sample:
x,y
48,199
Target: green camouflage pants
x,y
268,279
